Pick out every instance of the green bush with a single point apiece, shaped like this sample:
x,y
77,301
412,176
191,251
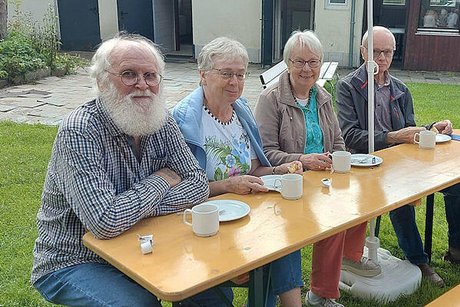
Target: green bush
x,y
17,56
29,47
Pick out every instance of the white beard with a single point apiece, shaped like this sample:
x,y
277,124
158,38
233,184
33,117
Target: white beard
x,y
135,119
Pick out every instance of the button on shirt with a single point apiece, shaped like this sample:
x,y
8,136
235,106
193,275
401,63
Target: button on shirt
x,y
95,182
382,106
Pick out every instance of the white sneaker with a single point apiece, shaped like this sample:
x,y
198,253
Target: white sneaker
x,y
365,267
322,302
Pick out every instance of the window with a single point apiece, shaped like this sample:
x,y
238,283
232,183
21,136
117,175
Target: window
x,y
394,2
336,4
439,16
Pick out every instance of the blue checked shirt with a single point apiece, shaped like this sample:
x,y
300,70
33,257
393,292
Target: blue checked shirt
x,y
95,183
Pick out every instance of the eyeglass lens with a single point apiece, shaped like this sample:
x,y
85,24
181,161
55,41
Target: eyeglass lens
x,y
130,78
225,74
387,53
301,63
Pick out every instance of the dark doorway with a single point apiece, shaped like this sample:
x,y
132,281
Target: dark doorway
x,y
79,25
183,34
136,17
280,19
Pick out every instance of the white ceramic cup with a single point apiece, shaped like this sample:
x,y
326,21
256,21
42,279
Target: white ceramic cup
x,y
205,219
341,161
425,139
290,186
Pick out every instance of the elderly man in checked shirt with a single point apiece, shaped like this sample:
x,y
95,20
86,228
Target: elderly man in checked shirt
x,y
116,160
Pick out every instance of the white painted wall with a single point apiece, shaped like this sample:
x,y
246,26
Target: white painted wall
x,y
108,18
237,19
332,25
36,8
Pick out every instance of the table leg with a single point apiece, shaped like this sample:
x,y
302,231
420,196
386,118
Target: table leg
x,y
258,287
429,225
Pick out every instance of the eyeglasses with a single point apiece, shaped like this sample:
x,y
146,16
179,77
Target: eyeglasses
x,y
388,53
301,63
129,77
227,75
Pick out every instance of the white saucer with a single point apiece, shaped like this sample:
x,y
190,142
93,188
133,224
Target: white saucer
x,y
441,138
365,160
230,210
269,181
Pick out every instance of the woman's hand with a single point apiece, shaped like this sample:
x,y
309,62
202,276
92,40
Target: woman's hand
x,y
246,184
316,162
294,167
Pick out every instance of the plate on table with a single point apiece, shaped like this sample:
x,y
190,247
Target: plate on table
x,y
441,138
269,181
365,160
230,210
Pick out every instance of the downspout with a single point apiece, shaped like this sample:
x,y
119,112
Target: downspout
x,y
352,33
267,32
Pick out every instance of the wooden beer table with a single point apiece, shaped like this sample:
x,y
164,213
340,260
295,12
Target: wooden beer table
x,y
183,264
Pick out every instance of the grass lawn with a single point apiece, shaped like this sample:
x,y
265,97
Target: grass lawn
x,y
25,150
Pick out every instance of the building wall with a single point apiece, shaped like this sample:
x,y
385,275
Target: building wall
x,y
108,18
36,8
237,19
333,26
429,51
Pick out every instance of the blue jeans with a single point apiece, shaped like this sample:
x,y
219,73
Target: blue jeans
x,y
96,284
286,274
403,220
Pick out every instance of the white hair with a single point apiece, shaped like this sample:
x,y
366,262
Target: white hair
x,y
132,118
304,39
221,48
102,59
378,29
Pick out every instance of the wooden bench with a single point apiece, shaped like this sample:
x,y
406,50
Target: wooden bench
x,y
327,73
449,299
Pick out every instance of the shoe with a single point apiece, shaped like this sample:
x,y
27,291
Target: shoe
x,y
431,275
323,302
452,255
366,267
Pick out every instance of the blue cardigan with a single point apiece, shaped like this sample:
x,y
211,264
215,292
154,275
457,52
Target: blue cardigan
x,y
188,113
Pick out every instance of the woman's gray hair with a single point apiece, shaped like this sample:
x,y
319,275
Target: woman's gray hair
x,y
102,59
304,39
224,49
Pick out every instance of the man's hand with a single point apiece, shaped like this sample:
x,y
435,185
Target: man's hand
x,y
316,162
169,175
444,127
404,135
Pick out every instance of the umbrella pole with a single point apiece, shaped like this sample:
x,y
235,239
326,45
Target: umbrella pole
x,y
372,242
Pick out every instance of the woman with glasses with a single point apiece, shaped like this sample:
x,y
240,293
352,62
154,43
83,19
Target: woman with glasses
x,y
220,129
297,122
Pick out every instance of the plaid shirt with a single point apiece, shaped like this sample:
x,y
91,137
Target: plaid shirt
x,y
95,183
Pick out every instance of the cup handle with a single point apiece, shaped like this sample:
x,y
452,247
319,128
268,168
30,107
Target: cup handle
x,y
276,186
184,218
415,138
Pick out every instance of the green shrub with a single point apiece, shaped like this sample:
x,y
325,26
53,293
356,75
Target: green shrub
x,y
17,56
29,47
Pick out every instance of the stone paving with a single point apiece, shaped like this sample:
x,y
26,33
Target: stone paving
x,y
48,100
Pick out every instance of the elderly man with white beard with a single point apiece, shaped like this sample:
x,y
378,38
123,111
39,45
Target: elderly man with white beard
x,y
115,160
